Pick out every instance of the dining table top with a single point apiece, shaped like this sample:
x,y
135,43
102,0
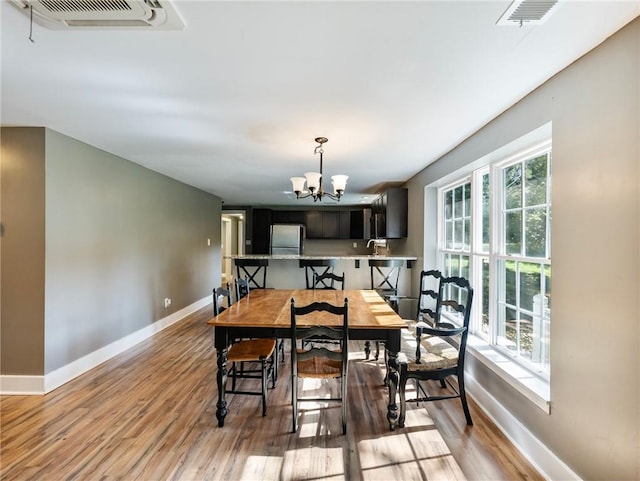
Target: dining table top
x,y
271,308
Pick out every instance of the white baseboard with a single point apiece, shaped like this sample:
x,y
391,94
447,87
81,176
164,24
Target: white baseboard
x,y
541,457
34,385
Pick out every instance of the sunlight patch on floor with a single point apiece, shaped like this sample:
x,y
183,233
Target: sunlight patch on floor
x,y
384,451
418,418
262,467
313,463
423,454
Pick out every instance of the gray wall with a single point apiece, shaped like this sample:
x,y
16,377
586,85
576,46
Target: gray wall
x,y
22,251
594,105
118,238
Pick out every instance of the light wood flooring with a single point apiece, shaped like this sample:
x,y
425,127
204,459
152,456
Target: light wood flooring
x,y
149,414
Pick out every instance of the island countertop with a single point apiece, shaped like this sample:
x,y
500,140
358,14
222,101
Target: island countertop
x,y
296,257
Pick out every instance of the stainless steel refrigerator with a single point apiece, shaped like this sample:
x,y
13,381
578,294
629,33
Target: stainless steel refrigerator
x,y
286,239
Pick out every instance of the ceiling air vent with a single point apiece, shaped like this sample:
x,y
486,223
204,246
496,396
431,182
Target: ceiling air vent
x,y
102,14
528,12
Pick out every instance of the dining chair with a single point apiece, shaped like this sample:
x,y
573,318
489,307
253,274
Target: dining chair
x,y
316,266
222,299
425,308
248,350
437,352
243,287
427,298
328,280
319,362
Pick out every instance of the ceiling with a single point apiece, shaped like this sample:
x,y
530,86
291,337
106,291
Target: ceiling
x,y
231,104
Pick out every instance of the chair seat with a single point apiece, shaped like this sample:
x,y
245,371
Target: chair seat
x,y
435,353
319,368
251,350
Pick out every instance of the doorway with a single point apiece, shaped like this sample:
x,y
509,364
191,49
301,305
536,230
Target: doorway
x,y
232,241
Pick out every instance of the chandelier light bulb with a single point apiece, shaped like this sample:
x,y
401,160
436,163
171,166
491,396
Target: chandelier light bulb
x,y
339,182
313,180
298,184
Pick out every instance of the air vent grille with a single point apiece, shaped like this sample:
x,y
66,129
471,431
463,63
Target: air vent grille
x,y
108,14
529,12
86,5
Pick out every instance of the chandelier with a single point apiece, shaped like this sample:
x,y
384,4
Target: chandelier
x,y
314,180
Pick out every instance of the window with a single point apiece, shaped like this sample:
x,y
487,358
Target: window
x,y
494,229
457,230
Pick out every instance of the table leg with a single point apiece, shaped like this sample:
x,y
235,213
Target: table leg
x,y
392,379
221,406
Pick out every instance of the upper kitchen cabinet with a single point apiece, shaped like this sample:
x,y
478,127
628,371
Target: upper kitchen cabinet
x,y
314,224
334,224
261,225
389,214
288,217
356,223
322,224
331,224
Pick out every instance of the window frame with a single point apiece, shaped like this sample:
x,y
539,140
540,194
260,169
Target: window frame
x,y
496,252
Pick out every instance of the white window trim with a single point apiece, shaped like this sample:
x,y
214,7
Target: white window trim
x,y
531,386
534,388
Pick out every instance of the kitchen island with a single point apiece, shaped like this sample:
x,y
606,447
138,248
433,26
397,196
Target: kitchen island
x,y
284,271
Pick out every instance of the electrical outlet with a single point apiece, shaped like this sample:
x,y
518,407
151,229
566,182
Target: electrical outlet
x,y
167,302
355,245
208,242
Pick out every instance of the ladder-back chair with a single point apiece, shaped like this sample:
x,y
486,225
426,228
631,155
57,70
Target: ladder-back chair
x,y
440,350
247,350
319,362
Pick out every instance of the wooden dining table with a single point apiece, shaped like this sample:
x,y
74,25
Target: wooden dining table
x,y
266,313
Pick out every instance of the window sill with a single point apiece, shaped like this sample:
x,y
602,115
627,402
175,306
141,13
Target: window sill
x,y
532,387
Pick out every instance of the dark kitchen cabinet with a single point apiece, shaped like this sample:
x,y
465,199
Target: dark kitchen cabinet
x,y
344,224
334,224
323,224
261,226
389,214
314,224
356,224
330,224
288,217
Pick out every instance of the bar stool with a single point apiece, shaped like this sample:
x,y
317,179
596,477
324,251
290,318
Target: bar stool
x,y
385,274
316,266
254,270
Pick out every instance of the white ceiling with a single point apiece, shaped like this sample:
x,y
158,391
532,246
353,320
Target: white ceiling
x,y
232,103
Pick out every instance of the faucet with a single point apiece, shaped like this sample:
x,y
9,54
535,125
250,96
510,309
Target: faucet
x,y
377,244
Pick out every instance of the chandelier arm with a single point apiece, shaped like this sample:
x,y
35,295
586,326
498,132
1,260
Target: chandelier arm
x,y
308,194
331,196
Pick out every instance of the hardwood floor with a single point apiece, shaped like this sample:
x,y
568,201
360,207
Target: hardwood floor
x,y
149,414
